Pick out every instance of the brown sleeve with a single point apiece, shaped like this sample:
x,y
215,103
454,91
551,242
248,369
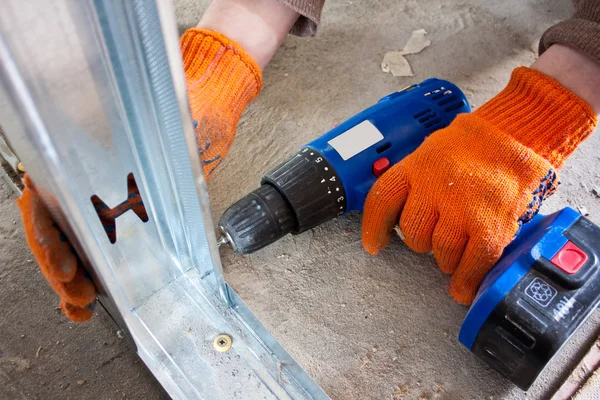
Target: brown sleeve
x,y
581,31
310,15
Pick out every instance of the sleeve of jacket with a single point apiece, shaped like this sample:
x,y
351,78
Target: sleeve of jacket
x,y
310,15
581,31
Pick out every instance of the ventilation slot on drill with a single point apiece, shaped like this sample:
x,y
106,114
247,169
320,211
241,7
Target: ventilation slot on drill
x,y
435,94
439,93
422,113
433,123
445,98
383,147
424,116
429,119
454,106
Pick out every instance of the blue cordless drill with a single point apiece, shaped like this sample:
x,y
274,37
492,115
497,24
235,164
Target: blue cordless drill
x,y
332,175
546,284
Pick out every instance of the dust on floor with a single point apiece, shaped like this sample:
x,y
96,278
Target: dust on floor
x,y
363,327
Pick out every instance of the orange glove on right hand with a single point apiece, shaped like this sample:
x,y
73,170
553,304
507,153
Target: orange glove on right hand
x,y
465,191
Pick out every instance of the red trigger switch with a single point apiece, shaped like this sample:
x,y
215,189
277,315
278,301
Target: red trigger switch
x,y
570,258
380,166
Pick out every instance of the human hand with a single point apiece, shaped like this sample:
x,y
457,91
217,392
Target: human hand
x,y
467,189
221,80
57,260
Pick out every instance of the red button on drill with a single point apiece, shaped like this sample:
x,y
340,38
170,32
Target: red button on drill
x,y
380,166
570,258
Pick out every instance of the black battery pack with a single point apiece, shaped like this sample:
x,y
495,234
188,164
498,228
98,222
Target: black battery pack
x,y
541,312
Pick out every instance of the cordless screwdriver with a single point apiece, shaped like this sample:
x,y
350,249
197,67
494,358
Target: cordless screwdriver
x,y
332,175
545,286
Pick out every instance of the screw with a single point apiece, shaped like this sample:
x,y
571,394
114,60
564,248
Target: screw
x,y
222,343
120,334
21,167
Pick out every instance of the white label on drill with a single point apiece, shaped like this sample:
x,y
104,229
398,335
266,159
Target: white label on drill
x,y
356,139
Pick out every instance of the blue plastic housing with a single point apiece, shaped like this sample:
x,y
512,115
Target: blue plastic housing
x,y
541,237
405,119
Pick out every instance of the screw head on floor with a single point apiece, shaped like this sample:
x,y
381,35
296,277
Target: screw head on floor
x,y
21,167
222,343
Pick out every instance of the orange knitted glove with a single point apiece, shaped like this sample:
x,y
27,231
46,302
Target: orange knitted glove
x,y
467,189
221,80
57,260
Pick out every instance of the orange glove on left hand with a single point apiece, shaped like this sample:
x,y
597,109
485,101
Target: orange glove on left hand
x,y
466,190
57,259
221,80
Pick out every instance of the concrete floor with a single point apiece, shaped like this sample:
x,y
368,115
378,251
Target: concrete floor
x,y
363,327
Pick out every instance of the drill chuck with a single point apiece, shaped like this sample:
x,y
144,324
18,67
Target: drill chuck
x,y
257,220
299,194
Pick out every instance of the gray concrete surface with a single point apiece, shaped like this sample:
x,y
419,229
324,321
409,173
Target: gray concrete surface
x,y
363,327
42,354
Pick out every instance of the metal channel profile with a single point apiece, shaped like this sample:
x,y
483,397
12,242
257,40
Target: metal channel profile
x,y
93,101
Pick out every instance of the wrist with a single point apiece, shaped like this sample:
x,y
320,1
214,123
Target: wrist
x,y
217,67
574,70
541,114
258,26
